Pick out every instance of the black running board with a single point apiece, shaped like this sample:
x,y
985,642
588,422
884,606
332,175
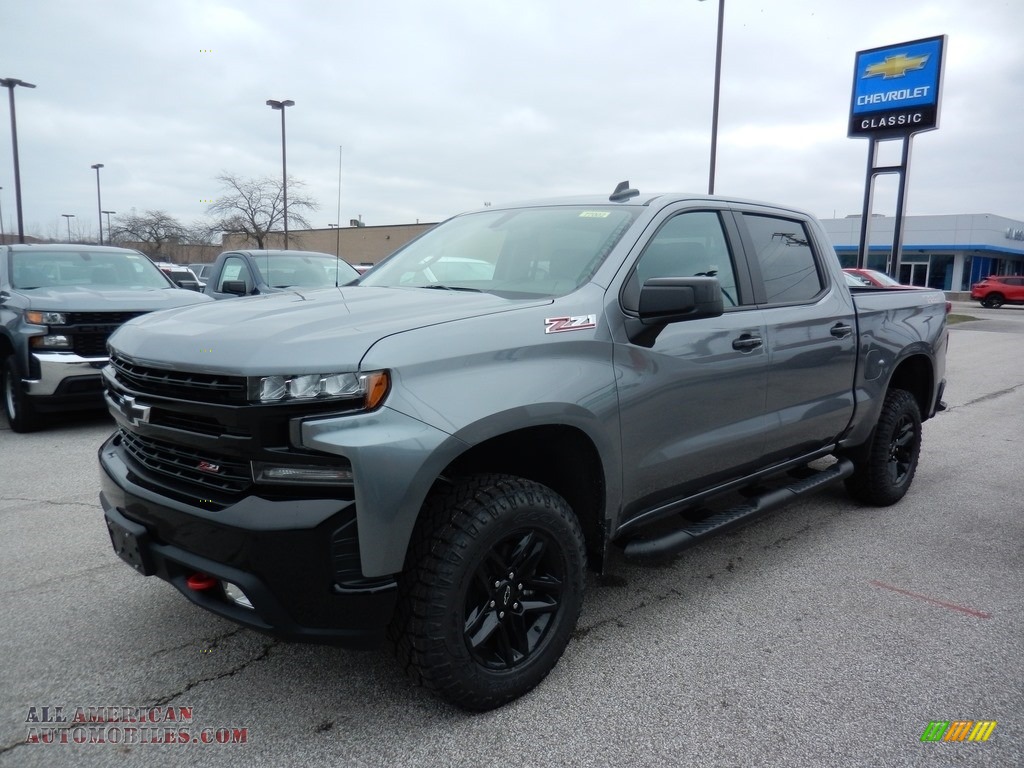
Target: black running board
x,y
675,541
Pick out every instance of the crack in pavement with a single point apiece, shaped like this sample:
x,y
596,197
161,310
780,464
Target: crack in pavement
x,y
261,656
989,396
213,643
52,503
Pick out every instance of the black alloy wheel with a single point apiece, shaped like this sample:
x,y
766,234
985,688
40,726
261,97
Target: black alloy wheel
x,y
512,598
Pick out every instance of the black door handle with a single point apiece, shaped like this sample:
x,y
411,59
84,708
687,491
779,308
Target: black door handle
x,y
841,330
747,342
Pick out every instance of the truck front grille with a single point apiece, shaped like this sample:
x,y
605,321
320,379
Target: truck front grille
x,y
198,387
215,473
89,331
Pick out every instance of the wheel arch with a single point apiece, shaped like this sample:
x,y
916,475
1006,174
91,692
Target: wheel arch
x,y
916,375
559,456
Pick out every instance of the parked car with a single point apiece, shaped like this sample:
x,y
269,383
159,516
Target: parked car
x,y
256,272
875,278
58,306
872,278
441,457
996,290
182,276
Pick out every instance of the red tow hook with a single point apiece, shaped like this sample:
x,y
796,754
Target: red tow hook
x,y
200,582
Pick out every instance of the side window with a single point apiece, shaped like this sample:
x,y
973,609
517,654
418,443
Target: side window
x,y
234,269
783,249
689,244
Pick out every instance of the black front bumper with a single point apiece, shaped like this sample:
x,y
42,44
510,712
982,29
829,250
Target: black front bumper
x,y
295,559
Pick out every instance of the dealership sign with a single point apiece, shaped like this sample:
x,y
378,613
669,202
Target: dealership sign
x,y
896,89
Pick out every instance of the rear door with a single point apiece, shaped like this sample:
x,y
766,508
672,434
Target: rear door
x,y
811,332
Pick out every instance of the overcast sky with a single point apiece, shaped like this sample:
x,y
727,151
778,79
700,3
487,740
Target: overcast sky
x,y
442,106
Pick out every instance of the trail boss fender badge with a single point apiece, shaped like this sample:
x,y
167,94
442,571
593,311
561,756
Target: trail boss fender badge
x,y
576,323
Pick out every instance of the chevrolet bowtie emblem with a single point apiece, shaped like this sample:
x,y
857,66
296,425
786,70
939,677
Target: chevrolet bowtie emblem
x,y
895,66
135,413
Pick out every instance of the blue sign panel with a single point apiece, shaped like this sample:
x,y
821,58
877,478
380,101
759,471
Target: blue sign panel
x,y
896,88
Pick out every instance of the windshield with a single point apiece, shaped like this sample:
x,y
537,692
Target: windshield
x,y
101,269
304,270
522,253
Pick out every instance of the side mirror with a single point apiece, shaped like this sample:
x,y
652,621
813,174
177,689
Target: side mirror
x,y
665,300
672,299
235,287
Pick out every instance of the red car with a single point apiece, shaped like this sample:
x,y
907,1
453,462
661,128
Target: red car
x,y
996,290
874,277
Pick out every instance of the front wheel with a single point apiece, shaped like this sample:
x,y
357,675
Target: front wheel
x,y
492,590
19,411
883,475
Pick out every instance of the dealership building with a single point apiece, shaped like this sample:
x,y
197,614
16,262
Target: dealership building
x,y
946,252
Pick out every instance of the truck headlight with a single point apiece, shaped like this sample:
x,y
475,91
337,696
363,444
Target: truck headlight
x,y
369,387
45,318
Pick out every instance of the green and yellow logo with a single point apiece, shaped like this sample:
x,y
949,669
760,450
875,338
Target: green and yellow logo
x,y
958,730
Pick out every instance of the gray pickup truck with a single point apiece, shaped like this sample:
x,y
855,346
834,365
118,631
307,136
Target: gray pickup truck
x,y
58,305
438,451
255,272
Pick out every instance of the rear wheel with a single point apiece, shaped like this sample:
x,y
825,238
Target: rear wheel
x,y
492,590
994,300
884,473
17,407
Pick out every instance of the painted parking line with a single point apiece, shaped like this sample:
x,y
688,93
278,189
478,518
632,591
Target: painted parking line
x,y
932,600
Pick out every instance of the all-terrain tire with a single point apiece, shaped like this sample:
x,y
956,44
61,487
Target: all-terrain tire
x,y
883,474
491,591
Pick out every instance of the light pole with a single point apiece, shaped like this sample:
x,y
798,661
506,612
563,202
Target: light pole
x,y
68,217
9,83
284,162
3,237
714,105
109,240
99,204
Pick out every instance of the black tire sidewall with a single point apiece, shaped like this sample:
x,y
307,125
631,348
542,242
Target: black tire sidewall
x,y
23,419
871,482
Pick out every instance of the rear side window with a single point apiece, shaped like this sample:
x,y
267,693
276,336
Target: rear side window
x,y
788,267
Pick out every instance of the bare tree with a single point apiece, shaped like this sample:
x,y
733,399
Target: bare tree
x,y
254,207
151,231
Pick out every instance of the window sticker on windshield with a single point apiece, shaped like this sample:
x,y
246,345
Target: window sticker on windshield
x,y
595,214
577,323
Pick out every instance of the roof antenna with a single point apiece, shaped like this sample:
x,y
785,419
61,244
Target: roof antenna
x,y
623,192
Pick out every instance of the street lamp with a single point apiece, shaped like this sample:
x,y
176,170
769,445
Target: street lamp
x,y
99,204
714,106
68,217
9,83
109,240
284,161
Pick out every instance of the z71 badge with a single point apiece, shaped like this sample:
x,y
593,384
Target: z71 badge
x,y
577,323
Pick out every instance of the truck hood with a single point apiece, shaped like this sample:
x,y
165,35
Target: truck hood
x,y
83,298
319,331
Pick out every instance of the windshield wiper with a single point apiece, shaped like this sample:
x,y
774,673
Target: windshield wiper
x,y
439,286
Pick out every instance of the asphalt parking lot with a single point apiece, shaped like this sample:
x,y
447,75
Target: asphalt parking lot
x,y
826,634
